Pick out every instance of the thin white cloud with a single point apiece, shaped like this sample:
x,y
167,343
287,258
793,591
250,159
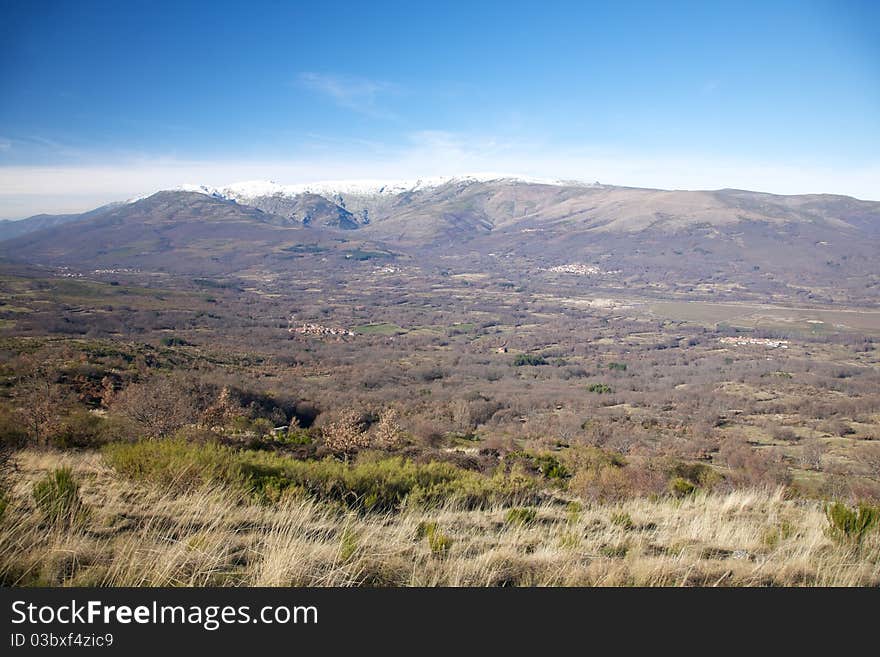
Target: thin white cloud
x,y
26,190
5,145
354,93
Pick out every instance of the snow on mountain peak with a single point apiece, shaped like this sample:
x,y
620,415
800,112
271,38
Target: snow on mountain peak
x,y
252,189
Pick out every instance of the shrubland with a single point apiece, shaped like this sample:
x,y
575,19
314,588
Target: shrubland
x,y
499,435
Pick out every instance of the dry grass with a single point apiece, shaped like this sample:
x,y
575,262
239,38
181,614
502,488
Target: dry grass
x,y
135,536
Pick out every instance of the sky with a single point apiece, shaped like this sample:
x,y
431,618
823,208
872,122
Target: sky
x,y
103,101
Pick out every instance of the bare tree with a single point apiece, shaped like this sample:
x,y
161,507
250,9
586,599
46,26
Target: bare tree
x,y
346,435
812,453
221,412
159,406
42,403
387,433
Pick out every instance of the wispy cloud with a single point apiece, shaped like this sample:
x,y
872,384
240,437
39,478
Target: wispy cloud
x,y
361,95
5,145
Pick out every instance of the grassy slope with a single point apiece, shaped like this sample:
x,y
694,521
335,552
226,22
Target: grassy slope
x,y
142,535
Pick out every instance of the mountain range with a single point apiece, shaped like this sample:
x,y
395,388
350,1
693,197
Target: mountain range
x,y
741,238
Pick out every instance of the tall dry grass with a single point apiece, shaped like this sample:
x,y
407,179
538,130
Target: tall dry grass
x,y
135,536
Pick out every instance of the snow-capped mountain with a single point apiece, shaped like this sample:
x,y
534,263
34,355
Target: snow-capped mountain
x,y
254,189
358,202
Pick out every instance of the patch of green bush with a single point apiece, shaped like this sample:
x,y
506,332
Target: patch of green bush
x,y
297,437
372,483
551,468
681,487
698,474
592,458
175,463
80,430
174,341
424,528
599,388
620,367
528,359
57,496
548,465
847,524
438,542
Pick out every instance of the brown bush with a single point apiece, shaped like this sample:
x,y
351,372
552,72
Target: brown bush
x,y
157,407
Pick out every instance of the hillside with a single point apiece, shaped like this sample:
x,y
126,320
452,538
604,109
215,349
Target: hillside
x,y
178,231
809,247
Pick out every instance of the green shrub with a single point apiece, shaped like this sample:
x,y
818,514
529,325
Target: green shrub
x,y
528,359
424,528
599,388
846,524
438,542
262,427
57,496
520,516
551,468
592,458
373,483
297,437
775,535
698,474
174,341
80,429
620,367
681,487
175,463
547,464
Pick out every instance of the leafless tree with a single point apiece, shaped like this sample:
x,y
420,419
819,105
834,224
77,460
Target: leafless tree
x,y
387,434
159,406
345,435
42,403
812,453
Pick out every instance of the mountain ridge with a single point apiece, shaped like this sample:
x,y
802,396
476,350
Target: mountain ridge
x,y
819,245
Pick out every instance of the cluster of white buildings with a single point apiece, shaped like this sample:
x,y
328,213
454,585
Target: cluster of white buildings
x,y
580,269
320,330
576,268
124,270
760,342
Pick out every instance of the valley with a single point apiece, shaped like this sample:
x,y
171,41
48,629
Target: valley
x,y
485,383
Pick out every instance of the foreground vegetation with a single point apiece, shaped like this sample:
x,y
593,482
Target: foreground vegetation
x,y
135,534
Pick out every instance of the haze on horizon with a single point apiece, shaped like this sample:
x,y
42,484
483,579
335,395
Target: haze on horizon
x,y
104,102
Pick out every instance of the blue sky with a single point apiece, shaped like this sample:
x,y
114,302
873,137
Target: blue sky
x,y
99,101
